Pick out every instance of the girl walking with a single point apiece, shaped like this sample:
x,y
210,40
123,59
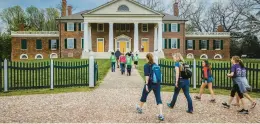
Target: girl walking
x,y
181,83
113,61
122,60
237,71
207,79
129,64
156,87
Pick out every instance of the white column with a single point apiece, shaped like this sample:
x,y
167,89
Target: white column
x,y
91,70
111,37
159,36
86,30
136,38
89,38
155,38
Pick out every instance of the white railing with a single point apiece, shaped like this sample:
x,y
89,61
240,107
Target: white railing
x,y
35,33
207,34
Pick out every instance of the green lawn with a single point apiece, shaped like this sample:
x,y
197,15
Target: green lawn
x,y
67,77
171,88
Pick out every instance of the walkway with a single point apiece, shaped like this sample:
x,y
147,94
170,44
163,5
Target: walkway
x,y
113,101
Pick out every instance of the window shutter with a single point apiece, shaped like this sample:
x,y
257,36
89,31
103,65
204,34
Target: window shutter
x,y
179,27
193,44
79,26
178,43
49,44
200,44
170,27
75,26
65,24
214,44
221,44
165,43
207,44
170,44
75,44
38,44
165,27
82,43
186,44
23,44
66,44
57,44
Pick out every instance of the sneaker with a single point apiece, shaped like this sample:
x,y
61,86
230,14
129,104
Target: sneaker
x,y
139,110
197,98
161,118
213,100
253,105
243,111
226,105
189,111
169,105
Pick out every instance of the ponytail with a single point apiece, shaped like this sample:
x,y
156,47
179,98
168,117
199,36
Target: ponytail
x,y
241,63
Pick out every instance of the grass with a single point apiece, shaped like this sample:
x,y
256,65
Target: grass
x,y
171,88
103,68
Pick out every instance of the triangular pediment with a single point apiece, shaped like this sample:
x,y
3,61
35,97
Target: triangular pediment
x,y
122,7
123,37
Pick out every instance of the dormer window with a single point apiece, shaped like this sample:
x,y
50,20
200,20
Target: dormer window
x,y
123,8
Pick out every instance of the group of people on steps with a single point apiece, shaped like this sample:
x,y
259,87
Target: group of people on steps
x,y
238,75
124,61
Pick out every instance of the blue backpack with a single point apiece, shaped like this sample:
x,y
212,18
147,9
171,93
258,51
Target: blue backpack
x,y
155,75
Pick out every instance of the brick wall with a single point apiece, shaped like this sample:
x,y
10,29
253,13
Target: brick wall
x,y
31,48
211,52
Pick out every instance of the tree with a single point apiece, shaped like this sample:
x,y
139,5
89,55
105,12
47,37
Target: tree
x,y
5,46
35,18
154,4
50,19
250,44
13,17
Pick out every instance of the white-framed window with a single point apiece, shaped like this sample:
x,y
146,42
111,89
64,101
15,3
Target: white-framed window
x,y
70,26
217,44
53,44
123,27
145,39
127,27
100,27
190,44
204,56
174,27
123,8
190,56
174,43
204,45
24,56
82,26
118,45
70,43
217,56
144,27
53,55
38,56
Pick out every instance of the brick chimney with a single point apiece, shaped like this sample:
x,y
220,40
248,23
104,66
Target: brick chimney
x,y
69,10
21,27
176,9
64,8
220,28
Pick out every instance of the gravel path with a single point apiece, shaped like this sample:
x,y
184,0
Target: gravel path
x,y
114,101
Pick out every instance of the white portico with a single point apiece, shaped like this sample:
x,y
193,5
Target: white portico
x,y
122,12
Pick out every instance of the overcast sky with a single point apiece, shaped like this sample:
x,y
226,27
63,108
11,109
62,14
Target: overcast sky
x,y
79,5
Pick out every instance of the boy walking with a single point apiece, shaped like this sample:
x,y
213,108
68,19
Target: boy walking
x,y
129,64
113,61
136,58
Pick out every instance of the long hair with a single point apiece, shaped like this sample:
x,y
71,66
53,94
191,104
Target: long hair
x,y
149,56
179,56
239,61
207,64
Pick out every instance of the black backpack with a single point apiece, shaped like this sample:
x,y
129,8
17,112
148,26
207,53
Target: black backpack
x,y
186,71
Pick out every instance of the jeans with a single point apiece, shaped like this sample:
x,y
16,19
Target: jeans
x,y
183,84
156,90
113,64
122,66
129,69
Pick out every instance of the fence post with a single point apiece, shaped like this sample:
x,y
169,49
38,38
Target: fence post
x,y
51,74
194,73
5,76
91,70
156,59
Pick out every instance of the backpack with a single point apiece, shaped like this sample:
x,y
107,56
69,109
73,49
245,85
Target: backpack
x,y
186,72
123,59
155,75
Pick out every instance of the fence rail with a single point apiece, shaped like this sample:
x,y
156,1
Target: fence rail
x,y
219,72
46,74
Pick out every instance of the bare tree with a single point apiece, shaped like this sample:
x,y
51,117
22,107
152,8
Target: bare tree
x,y
154,4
